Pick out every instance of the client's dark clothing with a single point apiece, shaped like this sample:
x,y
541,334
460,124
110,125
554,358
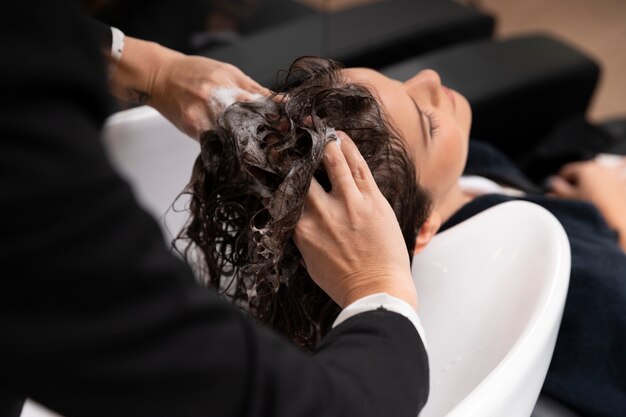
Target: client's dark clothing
x,y
587,370
97,317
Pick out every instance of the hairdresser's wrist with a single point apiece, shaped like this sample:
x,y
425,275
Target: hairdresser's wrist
x,y
382,301
392,283
138,76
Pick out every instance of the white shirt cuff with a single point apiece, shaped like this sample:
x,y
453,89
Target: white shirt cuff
x,y
117,47
117,43
387,302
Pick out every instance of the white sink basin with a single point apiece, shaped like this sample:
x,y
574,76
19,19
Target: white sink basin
x,y
492,291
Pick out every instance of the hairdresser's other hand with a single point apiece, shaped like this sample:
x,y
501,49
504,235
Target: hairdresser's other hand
x,y
181,87
185,91
601,182
350,238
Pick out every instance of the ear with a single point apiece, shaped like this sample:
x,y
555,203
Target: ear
x,y
427,231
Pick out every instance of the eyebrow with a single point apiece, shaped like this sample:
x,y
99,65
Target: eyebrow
x,y
420,114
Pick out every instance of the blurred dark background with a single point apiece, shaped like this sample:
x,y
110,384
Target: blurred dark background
x,y
208,27
263,36
545,77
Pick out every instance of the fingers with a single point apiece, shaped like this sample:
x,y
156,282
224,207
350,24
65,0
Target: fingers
x,y
246,96
231,76
572,171
338,170
316,196
347,170
256,88
278,98
562,188
563,184
360,171
246,83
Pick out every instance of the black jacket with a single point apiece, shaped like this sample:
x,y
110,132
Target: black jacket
x,y
97,317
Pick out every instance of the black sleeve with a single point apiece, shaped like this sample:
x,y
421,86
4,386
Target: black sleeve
x,y
97,317
102,33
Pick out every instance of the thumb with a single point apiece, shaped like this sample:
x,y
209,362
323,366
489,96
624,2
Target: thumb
x,y
561,187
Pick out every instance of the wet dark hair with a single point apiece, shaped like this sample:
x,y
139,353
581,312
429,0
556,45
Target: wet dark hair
x,y
250,181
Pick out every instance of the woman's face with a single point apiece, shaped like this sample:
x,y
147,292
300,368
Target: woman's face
x,y
433,120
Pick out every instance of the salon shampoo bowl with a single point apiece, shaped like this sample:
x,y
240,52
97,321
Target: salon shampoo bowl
x,y
492,289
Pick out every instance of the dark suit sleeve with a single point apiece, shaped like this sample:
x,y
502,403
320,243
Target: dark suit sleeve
x,y
102,33
97,317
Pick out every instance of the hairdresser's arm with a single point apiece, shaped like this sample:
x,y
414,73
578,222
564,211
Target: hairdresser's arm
x,y
98,318
601,184
179,86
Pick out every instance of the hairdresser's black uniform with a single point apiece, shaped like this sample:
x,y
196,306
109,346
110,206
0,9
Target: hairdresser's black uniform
x,y
97,318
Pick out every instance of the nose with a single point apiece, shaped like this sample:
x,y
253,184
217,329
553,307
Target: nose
x,y
426,84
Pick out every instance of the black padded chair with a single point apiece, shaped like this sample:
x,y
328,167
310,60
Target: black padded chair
x,y
529,97
372,35
520,88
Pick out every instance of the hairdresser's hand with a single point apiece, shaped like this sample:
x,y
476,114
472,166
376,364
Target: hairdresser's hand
x,y
185,91
181,87
350,238
603,184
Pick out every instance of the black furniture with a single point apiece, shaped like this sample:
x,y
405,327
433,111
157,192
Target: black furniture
x,y
520,89
372,35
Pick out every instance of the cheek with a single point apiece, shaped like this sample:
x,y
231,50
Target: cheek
x,y
463,114
457,147
451,154
454,138
440,165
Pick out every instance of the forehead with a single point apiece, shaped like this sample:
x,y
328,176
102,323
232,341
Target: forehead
x,y
394,100
389,93
374,80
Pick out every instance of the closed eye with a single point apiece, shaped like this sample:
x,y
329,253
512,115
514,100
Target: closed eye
x,y
432,121
421,116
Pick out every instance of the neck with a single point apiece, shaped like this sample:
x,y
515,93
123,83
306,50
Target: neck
x,y
451,203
